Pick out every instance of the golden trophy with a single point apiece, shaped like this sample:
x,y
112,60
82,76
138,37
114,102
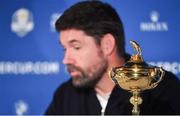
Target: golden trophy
x,y
136,76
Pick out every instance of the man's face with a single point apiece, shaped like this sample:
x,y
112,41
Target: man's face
x,y
84,58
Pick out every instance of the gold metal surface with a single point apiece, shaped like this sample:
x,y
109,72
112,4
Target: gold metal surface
x,y
136,76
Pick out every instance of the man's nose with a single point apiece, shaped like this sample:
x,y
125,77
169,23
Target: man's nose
x,y
68,59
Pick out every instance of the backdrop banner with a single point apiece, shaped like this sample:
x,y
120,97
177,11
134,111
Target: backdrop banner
x,y
31,57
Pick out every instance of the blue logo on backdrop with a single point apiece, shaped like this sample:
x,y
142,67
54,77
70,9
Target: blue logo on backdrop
x,y
155,24
53,19
29,67
21,107
22,22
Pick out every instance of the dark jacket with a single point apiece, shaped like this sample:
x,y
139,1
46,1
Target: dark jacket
x,y
164,99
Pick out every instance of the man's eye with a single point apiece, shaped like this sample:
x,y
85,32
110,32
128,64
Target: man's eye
x,y
77,48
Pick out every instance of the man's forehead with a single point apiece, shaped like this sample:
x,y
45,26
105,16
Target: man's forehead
x,y
73,35
71,40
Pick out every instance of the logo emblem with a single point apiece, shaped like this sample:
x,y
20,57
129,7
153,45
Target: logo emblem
x,y
154,16
22,22
21,107
53,20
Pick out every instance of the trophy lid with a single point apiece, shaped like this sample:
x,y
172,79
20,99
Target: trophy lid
x,y
136,65
137,60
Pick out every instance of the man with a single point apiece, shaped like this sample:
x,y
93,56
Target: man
x,y
92,35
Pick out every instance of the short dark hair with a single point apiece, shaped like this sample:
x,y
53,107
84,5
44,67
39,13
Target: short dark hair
x,y
96,19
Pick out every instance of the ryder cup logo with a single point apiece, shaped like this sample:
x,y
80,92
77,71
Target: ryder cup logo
x,y
155,24
22,22
21,107
53,20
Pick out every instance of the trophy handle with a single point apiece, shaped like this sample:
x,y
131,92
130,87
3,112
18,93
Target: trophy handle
x,y
160,73
112,75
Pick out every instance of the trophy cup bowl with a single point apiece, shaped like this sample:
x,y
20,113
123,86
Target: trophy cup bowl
x,y
136,76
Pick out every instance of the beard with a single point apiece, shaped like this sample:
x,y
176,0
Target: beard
x,y
89,77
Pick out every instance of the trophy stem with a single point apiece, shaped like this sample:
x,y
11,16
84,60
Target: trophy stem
x,y
136,100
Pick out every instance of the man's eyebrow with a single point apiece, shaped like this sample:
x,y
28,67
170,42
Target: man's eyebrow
x,y
73,41
70,42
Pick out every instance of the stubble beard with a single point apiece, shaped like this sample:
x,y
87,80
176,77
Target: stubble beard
x,y
90,77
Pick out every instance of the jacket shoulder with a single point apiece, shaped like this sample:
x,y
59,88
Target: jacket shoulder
x,y
58,102
66,86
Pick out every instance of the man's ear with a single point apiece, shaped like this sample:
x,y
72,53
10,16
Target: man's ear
x,y
108,44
